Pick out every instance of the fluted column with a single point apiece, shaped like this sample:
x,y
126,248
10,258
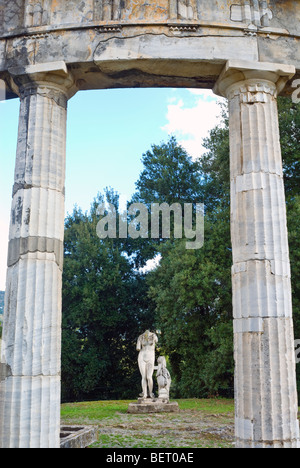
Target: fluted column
x,y
265,379
31,347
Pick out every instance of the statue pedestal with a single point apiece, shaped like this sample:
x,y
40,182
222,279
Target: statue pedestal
x,y
153,405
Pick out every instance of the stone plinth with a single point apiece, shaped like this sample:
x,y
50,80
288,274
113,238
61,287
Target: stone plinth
x,y
76,437
152,405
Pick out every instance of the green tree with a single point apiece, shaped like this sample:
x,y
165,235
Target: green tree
x,y
104,308
215,168
107,303
192,289
289,124
193,302
170,175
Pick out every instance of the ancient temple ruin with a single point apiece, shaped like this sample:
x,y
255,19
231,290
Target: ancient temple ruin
x,y
248,52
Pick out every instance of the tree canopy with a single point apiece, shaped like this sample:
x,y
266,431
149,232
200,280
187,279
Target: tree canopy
x,y
104,308
187,298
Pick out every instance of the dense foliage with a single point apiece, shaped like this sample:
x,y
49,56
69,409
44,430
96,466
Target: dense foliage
x,y
107,302
105,306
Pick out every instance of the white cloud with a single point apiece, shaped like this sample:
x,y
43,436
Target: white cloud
x,y
191,122
151,264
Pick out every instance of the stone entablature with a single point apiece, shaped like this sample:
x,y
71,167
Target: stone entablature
x,y
18,14
126,36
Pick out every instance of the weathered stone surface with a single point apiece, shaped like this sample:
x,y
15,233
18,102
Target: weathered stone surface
x,y
29,414
31,347
21,246
136,34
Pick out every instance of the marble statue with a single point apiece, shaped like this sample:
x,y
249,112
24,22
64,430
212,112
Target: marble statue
x,y
146,347
147,403
163,379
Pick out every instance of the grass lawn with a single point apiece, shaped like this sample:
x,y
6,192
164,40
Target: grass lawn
x,y
200,423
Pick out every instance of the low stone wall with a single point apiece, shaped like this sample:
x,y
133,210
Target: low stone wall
x,y
76,437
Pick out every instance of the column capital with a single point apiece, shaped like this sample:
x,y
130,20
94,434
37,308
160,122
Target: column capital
x,y
262,74
41,78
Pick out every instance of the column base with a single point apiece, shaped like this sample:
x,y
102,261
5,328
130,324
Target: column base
x,y
283,444
30,412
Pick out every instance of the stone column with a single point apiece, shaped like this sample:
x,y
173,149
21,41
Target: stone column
x,y
31,347
265,380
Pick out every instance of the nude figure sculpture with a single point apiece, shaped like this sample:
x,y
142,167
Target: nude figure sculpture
x,y
163,379
146,347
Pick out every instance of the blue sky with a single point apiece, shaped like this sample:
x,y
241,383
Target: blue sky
x,y
108,131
